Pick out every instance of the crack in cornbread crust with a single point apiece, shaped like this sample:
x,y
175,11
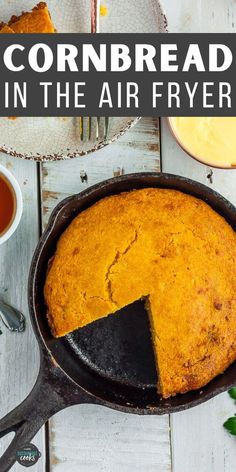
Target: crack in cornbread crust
x,y
164,245
114,262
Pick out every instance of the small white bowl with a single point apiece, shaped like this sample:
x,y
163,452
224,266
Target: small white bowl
x,y
18,202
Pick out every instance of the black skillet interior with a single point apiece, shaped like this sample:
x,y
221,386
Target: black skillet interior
x,y
112,358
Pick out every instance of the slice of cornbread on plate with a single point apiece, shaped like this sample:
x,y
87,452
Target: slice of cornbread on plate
x,y
36,21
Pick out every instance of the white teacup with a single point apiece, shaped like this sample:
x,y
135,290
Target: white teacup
x,y
15,188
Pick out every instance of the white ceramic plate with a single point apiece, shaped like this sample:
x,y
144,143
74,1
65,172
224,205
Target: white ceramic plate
x,y
56,138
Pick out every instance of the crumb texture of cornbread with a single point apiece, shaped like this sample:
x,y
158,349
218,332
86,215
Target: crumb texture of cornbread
x,y
36,21
165,246
5,29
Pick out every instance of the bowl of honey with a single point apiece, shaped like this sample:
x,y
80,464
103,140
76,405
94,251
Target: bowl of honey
x,y
11,204
210,140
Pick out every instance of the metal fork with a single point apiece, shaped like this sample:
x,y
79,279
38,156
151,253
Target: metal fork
x,y
93,128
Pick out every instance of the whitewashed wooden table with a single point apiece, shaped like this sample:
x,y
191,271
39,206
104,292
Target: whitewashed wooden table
x,y
91,438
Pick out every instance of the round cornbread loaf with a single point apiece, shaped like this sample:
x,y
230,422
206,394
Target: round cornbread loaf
x,y
169,248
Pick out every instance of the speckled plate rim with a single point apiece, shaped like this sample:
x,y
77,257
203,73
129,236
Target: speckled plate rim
x,y
69,155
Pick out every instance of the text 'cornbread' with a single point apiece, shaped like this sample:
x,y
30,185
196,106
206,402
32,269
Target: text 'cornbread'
x,y
169,248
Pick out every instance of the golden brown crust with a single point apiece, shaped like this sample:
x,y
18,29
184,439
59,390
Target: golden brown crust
x,y
40,6
166,246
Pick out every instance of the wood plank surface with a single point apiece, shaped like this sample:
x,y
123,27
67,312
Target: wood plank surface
x,y
19,361
91,438
199,442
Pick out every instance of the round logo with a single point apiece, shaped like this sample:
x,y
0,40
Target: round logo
x,y
28,455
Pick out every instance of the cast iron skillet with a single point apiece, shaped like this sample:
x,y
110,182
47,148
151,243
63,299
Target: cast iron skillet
x,y
108,363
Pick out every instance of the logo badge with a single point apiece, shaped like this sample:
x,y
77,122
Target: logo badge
x,y
28,455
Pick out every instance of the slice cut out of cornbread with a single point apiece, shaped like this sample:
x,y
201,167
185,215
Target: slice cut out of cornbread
x,y
169,248
36,21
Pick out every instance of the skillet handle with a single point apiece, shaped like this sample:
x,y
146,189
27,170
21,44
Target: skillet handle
x,y
51,393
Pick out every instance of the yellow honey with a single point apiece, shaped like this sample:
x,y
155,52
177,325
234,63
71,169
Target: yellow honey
x,y
212,140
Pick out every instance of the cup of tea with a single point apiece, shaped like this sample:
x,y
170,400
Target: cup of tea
x,y
11,204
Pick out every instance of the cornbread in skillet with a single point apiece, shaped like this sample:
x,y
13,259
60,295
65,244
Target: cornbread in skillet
x,y
169,248
36,21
